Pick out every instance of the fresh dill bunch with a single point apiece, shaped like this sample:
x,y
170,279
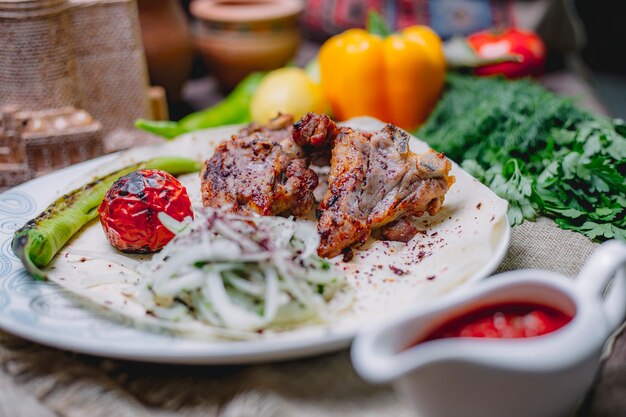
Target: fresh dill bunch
x,y
537,150
477,113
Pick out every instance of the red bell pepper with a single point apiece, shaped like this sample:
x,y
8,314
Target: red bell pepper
x,y
526,47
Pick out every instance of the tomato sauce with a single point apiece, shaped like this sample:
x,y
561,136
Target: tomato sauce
x,y
503,321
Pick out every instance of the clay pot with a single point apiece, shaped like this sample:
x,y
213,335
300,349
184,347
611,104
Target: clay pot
x,y
237,37
167,44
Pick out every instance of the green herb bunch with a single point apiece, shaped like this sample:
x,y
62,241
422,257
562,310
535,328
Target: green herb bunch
x,y
536,150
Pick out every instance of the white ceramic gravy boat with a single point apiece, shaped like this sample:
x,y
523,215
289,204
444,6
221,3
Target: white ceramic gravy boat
x,y
542,376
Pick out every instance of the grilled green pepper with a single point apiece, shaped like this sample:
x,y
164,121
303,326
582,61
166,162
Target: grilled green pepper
x,y
234,109
41,238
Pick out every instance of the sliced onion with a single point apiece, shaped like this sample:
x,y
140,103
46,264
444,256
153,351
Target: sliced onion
x,y
232,315
235,236
205,311
271,295
174,286
243,285
266,261
172,224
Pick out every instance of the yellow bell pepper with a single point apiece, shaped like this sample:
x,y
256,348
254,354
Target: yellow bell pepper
x,y
396,78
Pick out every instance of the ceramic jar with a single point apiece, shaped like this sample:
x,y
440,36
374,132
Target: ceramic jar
x,y
167,44
237,37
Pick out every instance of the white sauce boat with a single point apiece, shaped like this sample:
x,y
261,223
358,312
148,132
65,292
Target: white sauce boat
x,y
543,376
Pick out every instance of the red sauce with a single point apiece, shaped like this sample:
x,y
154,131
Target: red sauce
x,y
504,321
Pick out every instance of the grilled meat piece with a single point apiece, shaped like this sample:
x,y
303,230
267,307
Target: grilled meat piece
x,y
278,129
261,170
316,133
402,230
315,130
375,180
402,183
342,220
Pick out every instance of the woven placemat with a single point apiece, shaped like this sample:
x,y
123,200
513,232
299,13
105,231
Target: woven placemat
x,y
543,245
40,381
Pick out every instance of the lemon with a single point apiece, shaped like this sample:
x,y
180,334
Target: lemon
x,y
286,90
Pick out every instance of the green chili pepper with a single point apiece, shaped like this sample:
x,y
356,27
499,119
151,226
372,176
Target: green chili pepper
x,y
39,240
164,128
234,109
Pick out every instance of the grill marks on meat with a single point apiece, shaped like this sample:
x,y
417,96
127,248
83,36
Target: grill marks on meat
x,y
342,220
374,181
316,133
278,129
261,170
402,183
401,230
315,130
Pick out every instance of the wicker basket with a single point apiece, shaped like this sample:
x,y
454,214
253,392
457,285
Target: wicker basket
x,y
57,56
110,63
82,53
37,65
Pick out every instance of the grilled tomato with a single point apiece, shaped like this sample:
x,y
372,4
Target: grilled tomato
x,y
129,211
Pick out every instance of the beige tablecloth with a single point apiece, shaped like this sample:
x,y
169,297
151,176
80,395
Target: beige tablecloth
x,y
40,381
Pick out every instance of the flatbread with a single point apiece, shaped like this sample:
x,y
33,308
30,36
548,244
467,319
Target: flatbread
x,y
385,278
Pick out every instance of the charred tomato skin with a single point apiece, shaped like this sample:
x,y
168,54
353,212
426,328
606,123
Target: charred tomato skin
x,y
129,211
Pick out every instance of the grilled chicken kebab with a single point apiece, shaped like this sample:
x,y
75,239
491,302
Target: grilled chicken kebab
x,y
375,181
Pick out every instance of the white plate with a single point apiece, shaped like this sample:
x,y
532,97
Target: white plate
x,y
46,313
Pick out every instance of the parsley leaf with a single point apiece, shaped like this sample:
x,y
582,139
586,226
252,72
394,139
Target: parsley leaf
x,y
536,150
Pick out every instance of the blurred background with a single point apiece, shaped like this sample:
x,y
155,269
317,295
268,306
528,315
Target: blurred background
x,y
585,41
77,75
